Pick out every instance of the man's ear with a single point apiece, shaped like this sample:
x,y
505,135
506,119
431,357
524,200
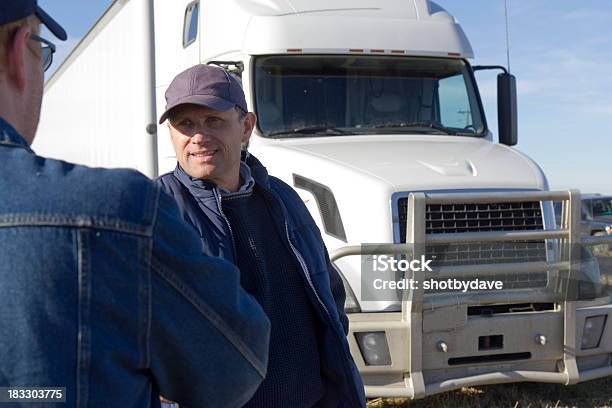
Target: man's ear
x,y
16,56
249,125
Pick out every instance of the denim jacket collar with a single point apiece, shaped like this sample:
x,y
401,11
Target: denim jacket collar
x,y
10,137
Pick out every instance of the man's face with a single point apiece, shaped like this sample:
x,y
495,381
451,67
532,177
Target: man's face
x,y
207,142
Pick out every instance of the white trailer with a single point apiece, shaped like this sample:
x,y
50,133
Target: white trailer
x,y
364,107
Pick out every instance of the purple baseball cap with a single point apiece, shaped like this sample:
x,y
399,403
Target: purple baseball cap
x,y
204,85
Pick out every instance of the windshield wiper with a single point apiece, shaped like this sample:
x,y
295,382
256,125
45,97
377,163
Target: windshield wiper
x,y
431,125
315,130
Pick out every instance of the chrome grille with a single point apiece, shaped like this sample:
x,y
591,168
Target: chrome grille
x,y
450,218
457,218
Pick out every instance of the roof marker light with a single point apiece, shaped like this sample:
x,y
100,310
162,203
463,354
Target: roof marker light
x,y
294,50
398,52
454,54
356,50
377,50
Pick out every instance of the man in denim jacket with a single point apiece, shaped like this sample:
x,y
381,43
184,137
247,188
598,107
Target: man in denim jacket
x,y
105,295
258,222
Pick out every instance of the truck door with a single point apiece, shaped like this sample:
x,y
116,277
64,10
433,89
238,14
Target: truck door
x,y
177,47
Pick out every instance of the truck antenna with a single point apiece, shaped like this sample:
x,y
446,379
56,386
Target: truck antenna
x,y
507,34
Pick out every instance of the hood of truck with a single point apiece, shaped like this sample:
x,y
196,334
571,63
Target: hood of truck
x,y
348,182
414,162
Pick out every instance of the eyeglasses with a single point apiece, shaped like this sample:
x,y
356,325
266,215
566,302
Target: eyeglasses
x,y
48,49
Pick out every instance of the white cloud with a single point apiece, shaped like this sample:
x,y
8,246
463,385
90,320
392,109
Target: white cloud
x,y
576,79
586,15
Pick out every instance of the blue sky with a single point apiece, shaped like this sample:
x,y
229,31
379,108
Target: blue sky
x,y
560,52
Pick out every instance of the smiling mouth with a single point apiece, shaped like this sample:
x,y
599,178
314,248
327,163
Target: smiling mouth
x,y
207,153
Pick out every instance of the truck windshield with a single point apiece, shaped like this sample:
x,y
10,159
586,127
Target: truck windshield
x,y
316,95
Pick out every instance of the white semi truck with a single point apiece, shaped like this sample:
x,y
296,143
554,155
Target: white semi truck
x,y
371,111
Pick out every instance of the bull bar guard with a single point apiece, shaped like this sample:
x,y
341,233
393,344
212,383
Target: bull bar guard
x,y
405,330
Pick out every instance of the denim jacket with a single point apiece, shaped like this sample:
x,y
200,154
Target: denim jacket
x,y
104,291
201,205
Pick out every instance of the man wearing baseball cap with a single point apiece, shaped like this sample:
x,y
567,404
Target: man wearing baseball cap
x,y
261,225
106,299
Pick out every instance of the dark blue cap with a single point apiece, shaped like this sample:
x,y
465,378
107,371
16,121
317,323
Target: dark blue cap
x,y
13,10
204,85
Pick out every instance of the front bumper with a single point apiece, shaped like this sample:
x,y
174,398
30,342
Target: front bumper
x,y
516,355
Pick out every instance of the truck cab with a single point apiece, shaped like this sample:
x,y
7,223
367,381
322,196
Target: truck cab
x,y
365,108
380,100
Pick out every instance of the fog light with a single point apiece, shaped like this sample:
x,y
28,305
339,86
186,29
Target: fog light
x,y
593,329
374,348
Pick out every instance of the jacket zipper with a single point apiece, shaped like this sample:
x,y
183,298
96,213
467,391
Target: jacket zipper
x,y
305,270
295,251
308,278
218,199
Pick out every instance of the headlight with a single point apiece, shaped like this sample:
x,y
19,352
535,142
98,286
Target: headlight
x,y
374,348
592,331
588,283
609,229
351,305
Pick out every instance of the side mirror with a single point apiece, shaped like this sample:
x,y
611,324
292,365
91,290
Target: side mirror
x,y
507,113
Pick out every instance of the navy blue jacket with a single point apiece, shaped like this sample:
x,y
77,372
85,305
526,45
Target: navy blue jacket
x,y
200,204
